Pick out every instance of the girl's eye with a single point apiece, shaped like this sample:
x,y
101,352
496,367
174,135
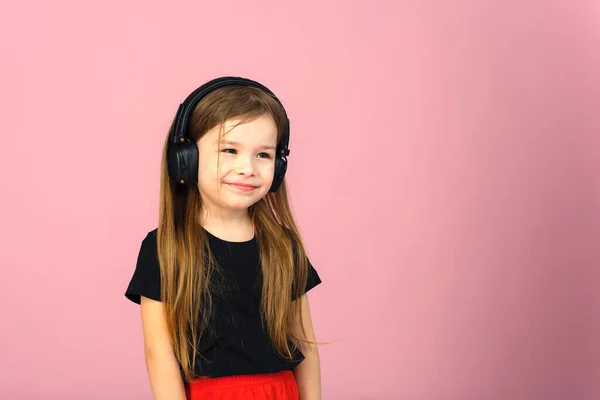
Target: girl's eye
x,y
264,155
230,151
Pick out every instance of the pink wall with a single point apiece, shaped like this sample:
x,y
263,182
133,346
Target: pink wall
x,y
444,172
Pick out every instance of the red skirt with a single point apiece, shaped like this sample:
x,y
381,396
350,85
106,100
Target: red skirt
x,y
278,385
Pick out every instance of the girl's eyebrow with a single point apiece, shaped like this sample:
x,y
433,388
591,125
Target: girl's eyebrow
x,y
230,143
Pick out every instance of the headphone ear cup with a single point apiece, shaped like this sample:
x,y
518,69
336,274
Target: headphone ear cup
x,y
182,163
280,170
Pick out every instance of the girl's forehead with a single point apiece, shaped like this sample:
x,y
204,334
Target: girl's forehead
x,y
258,130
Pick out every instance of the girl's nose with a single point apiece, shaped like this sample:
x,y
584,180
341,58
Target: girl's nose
x,y
244,165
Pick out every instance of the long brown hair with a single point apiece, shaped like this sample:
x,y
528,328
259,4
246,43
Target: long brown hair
x,y
188,268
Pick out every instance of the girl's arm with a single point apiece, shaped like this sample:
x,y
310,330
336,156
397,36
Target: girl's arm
x,y
308,373
163,370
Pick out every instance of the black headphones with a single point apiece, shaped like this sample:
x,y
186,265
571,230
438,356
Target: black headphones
x,y
182,152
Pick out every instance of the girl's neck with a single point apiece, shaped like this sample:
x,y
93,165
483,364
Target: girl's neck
x,y
234,227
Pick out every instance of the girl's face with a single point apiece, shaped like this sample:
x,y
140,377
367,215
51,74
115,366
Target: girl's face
x,y
236,169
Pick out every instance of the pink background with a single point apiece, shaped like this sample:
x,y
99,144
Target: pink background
x,y
444,171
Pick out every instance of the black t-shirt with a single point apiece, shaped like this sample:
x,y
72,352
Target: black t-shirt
x,y
235,343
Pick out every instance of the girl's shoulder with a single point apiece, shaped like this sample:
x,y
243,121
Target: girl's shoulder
x,y
152,234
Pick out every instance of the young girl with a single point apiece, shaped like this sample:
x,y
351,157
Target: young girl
x,y
222,280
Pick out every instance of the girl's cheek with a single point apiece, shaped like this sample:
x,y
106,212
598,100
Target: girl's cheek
x,y
221,169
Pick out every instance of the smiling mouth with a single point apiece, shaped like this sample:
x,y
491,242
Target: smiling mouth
x,y
245,188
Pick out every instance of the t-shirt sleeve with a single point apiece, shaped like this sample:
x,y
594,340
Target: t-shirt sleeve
x,y
313,277
146,277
